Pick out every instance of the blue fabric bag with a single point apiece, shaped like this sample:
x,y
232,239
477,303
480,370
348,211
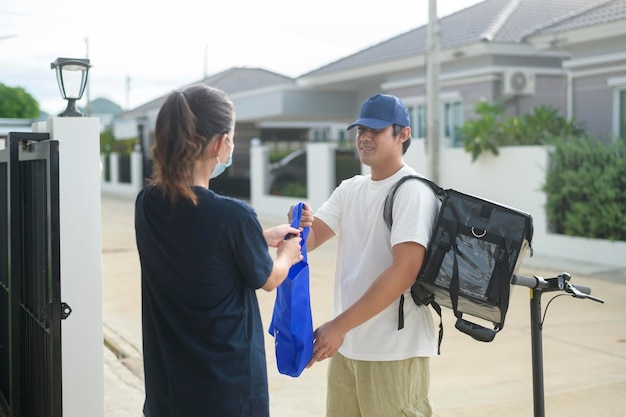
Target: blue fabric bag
x,y
292,323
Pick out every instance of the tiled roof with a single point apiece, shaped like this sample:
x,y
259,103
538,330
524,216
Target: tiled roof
x,y
497,21
238,79
459,28
598,13
232,80
531,14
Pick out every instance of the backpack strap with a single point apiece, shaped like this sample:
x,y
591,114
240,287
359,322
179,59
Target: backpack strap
x,y
437,309
388,207
388,217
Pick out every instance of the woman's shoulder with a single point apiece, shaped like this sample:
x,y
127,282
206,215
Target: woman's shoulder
x,y
150,190
232,205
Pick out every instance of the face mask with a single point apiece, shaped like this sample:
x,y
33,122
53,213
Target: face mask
x,y
221,167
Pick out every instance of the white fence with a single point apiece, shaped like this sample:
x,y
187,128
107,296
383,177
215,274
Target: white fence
x,y
110,181
515,177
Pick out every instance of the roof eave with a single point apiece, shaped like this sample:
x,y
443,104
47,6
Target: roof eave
x,y
356,72
576,36
418,61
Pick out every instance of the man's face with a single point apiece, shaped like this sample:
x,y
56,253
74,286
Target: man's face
x,y
377,146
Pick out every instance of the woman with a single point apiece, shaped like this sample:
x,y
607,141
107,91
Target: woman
x,y
202,258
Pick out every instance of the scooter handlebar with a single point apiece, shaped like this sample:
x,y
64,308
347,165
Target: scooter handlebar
x,y
582,289
579,291
536,282
530,282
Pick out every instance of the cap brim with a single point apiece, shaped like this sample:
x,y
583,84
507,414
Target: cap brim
x,y
371,123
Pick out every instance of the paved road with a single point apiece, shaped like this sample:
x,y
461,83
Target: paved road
x,y
584,342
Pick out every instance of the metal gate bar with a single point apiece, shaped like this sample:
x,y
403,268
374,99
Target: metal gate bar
x,y
33,386
5,316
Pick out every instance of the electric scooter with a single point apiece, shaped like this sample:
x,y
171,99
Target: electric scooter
x,y
538,286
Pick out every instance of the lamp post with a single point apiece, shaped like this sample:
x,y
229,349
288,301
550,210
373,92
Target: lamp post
x,y
72,79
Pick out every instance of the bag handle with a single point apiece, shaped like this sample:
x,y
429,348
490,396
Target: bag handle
x,y
296,217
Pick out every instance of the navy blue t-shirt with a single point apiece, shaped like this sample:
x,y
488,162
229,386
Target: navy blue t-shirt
x,y
203,343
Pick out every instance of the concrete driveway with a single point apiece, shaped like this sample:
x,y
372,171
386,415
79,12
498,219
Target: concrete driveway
x,y
584,343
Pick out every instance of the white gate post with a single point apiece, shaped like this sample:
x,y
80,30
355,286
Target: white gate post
x,y
320,172
81,262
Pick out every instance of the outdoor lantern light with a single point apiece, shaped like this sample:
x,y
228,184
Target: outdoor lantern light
x,y
72,79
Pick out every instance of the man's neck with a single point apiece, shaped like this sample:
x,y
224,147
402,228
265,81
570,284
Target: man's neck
x,y
383,172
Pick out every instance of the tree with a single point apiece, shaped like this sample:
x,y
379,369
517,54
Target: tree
x,y
15,102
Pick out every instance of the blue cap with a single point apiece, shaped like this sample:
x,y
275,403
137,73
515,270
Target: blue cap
x,y
380,111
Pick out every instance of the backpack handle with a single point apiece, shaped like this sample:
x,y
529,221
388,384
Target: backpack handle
x,y
476,331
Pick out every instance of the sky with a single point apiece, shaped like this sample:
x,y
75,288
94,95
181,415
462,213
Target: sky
x,y
141,50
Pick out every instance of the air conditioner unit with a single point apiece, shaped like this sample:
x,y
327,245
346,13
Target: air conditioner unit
x,y
518,82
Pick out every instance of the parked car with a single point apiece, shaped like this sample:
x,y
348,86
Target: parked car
x,y
293,168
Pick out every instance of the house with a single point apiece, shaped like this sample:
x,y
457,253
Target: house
x,y
567,54
595,65
140,122
104,109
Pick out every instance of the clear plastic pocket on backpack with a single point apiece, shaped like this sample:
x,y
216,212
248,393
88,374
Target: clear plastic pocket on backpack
x,y
476,263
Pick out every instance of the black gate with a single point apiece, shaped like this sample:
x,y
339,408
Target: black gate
x,y
30,304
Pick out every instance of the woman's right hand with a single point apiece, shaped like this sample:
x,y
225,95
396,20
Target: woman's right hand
x,y
288,253
290,249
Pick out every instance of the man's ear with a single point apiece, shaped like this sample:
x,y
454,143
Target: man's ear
x,y
405,134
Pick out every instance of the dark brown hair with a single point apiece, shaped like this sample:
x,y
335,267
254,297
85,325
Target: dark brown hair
x,y
397,129
187,122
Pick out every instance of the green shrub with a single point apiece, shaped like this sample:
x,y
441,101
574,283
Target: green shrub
x,y
293,189
481,134
493,129
109,144
276,156
586,189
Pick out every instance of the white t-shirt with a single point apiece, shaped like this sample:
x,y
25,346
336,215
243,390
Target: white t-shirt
x,y
354,212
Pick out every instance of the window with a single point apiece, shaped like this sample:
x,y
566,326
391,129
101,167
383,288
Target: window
x,y
417,118
320,135
618,84
452,119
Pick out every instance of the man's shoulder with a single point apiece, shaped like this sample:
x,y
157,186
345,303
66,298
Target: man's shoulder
x,y
407,170
414,189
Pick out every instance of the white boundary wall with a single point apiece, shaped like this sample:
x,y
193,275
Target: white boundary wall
x,y
515,178
113,185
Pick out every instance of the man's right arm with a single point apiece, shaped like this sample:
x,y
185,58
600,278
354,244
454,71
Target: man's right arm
x,y
319,231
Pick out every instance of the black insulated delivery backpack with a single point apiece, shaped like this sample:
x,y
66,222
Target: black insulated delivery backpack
x,y
475,248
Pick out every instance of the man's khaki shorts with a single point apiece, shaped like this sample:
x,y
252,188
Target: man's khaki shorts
x,y
378,389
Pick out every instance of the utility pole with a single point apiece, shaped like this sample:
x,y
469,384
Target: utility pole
x,y
127,98
88,80
206,60
432,93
